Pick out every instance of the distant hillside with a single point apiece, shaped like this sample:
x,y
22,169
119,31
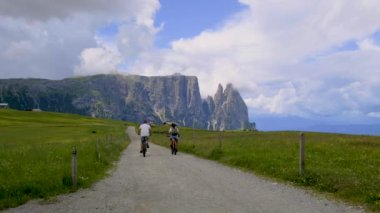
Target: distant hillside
x,y
295,123
133,98
348,129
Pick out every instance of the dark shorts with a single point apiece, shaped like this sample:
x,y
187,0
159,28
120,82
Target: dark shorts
x,y
175,137
144,139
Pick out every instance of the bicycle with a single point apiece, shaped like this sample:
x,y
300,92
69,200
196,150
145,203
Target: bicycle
x,y
174,144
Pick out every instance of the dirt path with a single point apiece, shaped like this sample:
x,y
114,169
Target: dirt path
x,y
183,183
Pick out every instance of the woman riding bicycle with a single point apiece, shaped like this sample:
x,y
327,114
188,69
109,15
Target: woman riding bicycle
x,y
174,136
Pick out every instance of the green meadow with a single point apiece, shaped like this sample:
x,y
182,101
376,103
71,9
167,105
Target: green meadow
x,y
346,167
36,153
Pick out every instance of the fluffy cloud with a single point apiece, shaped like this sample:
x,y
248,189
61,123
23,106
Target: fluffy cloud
x,y
98,60
374,114
52,39
42,49
286,57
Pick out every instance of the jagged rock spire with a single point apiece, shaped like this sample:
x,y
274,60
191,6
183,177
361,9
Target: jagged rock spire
x,y
230,111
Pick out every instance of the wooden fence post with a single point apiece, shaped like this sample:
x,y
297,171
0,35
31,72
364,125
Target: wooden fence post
x,y
220,139
74,167
193,139
98,148
107,144
192,135
302,154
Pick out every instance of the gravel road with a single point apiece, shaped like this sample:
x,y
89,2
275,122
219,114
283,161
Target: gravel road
x,y
162,182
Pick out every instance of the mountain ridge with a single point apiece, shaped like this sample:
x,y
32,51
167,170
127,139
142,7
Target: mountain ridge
x,y
131,97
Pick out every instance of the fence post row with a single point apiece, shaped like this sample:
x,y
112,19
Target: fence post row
x,y
302,154
74,167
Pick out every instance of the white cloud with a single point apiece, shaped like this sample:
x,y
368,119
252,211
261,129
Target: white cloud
x,y
18,49
265,49
132,40
51,39
368,44
374,114
98,60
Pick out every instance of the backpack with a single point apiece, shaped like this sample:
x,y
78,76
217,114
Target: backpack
x,y
174,131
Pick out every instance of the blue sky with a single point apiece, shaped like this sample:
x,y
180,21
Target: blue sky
x,y
295,60
183,19
186,19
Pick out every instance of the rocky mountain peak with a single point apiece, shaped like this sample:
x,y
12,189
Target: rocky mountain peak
x,y
219,96
229,89
230,110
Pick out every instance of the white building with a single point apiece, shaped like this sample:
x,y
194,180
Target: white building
x,y
4,105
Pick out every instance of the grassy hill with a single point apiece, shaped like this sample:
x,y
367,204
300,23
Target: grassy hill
x,y
36,151
346,167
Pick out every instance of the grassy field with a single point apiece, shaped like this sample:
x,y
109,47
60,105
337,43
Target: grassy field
x,y
346,167
36,152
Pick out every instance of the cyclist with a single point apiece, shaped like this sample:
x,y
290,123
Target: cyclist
x,y
144,131
174,136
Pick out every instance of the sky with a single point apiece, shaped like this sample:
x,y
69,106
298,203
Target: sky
x,y
293,61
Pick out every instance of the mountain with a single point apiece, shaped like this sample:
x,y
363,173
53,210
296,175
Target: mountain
x,y
134,98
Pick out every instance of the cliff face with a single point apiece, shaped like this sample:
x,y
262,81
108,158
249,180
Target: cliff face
x,y
133,98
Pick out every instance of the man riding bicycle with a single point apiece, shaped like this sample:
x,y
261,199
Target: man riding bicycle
x,y
144,131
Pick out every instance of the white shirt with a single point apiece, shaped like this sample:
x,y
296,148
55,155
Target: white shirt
x,y
144,128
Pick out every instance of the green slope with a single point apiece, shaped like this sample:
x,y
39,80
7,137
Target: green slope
x,y
36,151
346,167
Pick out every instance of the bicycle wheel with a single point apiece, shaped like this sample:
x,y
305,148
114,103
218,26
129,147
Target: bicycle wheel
x,y
144,149
172,146
144,144
175,148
